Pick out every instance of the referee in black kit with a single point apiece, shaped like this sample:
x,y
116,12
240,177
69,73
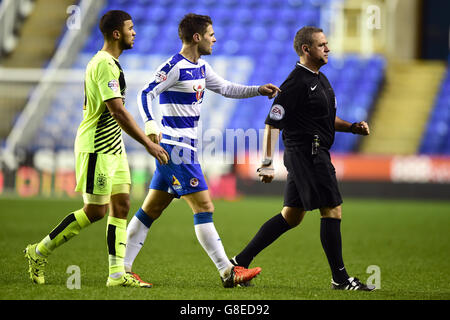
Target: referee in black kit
x,y
305,111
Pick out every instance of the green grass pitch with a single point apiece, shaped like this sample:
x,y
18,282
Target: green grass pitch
x,y
408,240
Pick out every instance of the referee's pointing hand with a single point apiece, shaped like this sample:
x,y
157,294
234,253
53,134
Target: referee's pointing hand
x,y
269,90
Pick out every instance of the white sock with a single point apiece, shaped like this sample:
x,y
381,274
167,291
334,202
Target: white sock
x,y
136,234
209,239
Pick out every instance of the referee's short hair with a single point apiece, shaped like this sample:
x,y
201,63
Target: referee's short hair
x,y
113,20
191,24
304,36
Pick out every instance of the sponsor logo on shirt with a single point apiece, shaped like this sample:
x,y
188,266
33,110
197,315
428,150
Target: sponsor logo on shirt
x,y
114,85
160,76
175,183
199,90
276,112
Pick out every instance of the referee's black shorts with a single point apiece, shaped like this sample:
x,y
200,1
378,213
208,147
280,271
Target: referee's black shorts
x,y
311,181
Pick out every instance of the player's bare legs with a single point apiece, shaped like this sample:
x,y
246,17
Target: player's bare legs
x,y
95,212
334,213
119,205
156,202
293,215
200,201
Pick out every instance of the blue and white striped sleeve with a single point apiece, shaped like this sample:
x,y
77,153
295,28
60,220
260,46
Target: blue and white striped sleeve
x,y
166,76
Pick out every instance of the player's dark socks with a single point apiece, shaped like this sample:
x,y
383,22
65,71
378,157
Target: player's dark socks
x,y
268,233
330,236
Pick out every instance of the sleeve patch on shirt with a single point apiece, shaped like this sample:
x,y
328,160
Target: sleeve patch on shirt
x,y
276,112
160,76
114,85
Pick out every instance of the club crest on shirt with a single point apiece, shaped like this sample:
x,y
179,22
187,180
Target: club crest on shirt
x,y
194,182
276,112
199,90
114,85
101,181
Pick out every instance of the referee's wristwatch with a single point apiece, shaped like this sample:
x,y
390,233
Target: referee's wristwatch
x,y
266,162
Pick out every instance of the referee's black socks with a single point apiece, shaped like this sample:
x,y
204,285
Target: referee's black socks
x,y
330,236
268,233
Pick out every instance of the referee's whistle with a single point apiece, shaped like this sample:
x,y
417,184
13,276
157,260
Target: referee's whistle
x,y
315,145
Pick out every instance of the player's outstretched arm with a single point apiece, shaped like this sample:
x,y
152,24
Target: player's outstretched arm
x,y
361,128
229,89
129,125
266,172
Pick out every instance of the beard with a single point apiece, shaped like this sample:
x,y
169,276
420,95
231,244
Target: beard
x,y
204,51
126,46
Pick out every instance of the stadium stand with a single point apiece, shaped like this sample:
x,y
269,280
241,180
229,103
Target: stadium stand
x,y
262,31
30,22
12,17
404,107
436,139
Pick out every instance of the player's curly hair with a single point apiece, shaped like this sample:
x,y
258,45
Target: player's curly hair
x,y
304,36
191,24
113,20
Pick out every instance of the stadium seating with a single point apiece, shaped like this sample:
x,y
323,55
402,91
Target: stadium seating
x,y
436,139
260,30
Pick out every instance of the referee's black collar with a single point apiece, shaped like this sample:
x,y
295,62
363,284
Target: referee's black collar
x,y
301,65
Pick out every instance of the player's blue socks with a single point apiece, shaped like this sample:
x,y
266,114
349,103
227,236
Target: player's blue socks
x,y
209,239
136,234
203,217
144,218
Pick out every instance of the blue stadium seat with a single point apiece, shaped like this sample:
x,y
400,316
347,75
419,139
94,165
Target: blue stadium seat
x,y
243,17
258,32
437,134
264,15
296,3
287,16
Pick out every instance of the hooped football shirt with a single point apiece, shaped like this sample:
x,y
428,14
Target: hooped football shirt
x,y
99,132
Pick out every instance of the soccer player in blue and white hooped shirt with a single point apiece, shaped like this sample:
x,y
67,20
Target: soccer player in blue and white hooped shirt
x,y
180,83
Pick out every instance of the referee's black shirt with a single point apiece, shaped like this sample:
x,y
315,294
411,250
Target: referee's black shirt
x,y
306,106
